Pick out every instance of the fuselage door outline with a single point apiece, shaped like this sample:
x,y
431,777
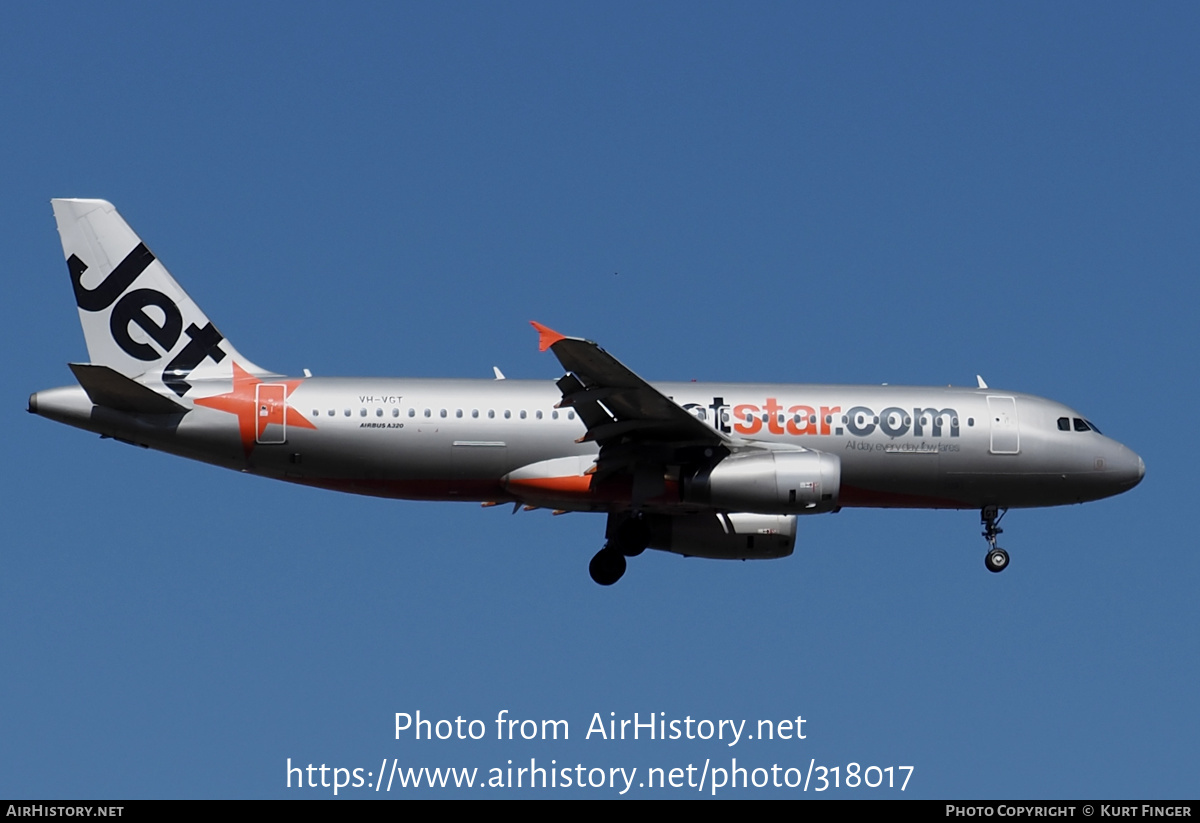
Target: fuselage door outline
x,y
270,405
1006,434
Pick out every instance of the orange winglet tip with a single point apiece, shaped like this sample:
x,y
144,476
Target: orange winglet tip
x,y
547,336
487,504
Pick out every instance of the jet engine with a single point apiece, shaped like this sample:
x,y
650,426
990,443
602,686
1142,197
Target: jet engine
x,y
772,482
722,536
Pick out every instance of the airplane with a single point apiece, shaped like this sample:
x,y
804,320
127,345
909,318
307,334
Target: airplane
x,y
716,470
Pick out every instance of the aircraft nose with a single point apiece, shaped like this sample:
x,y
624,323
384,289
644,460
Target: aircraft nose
x,y
1131,467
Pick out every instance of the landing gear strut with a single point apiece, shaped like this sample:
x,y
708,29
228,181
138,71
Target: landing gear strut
x,y
996,559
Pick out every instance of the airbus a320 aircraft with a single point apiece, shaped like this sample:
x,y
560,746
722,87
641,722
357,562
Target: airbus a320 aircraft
x,y
717,470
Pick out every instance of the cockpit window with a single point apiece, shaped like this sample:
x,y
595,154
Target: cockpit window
x,y
1093,427
1080,426
1064,424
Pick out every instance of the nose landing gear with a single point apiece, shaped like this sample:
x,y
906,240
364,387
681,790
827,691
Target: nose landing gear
x,y
996,559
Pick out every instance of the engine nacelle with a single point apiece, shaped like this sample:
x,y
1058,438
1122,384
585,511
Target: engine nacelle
x,y
732,536
773,482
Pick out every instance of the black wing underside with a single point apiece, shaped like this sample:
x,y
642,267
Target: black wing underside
x,y
640,430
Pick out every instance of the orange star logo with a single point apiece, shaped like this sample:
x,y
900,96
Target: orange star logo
x,y
256,407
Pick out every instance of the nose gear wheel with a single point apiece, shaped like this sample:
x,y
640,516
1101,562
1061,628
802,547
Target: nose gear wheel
x,y
996,560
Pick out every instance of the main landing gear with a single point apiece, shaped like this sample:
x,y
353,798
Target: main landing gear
x,y
607,566
996,559
629,540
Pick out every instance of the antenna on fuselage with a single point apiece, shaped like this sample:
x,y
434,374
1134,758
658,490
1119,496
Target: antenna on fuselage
x,y
982,385
499,374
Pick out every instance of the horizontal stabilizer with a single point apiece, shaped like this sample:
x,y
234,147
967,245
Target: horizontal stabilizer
x,y
108,387
136,319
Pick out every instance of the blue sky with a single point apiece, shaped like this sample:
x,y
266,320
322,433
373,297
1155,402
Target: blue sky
x,y
904,193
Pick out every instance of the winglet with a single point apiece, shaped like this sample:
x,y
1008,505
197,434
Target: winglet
x,y
547,336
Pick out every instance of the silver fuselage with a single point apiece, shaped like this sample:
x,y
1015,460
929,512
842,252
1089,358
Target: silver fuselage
x,y
899,446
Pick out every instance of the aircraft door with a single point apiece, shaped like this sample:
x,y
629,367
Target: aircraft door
x,y
270,405
1006,434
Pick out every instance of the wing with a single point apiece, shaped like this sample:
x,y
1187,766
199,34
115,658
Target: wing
x,y
639,429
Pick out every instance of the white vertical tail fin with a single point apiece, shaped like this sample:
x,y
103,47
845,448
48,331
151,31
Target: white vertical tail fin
x,y
136,319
